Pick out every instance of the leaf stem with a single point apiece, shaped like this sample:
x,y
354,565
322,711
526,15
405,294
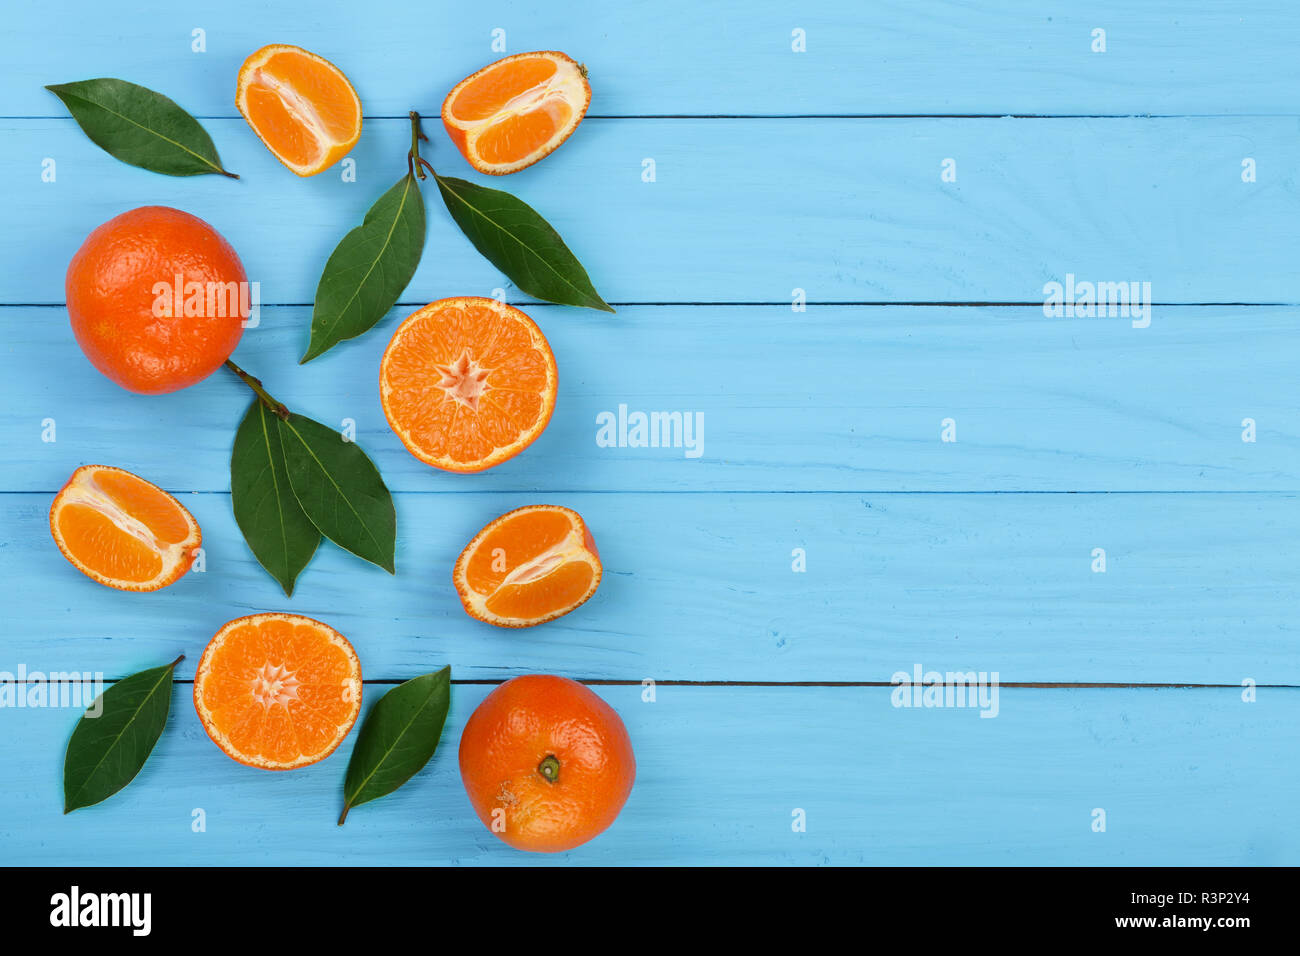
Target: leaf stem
x,y
344,815
177,661
255,384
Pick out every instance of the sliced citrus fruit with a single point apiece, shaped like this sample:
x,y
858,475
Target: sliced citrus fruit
x,y
517,110
300,105
278,691
467,383
121,530
529,566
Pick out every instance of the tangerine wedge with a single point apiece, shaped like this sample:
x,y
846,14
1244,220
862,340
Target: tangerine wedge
x,y
516,111
467,383
122,531
300,105
278,691
529,566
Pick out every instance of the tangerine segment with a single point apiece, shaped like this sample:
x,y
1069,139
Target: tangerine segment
x,y
278,691
300,105
529,566
516,111
121,530
467,383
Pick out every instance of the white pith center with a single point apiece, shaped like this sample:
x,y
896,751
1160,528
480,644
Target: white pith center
x,y
274,684
464,380
529,100
89,494
542,565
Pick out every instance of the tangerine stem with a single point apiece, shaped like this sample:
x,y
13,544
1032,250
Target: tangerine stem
x,y
549,768
255,384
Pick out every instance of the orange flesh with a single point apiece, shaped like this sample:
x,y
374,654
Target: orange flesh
x,y
273,119
278,690
146,503
514,543
105,548
522,133
562,588
492,92
464,381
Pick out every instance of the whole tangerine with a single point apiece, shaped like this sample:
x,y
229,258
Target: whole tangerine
x,y
547,764
157,299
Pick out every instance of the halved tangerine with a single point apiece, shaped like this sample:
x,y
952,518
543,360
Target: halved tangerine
x,y
517,110
278,691
529,566
300,105
121,530
467,383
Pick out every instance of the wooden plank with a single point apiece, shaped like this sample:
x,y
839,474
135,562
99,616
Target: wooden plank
x,y
675,56
834,399
747,210
720,773
1197,588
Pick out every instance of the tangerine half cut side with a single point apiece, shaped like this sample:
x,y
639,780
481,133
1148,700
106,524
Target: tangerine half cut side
x,y
121,530
278,691
300,105
516,111
467,383
529,566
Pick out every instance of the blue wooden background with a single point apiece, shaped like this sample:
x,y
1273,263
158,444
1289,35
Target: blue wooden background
x,y
774,171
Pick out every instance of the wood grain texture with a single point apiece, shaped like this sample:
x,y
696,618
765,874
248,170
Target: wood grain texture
x,y
746,210
834,399
1197,588
1177,772
679,56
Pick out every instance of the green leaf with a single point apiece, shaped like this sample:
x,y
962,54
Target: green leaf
x,y
519,242
369,268
340,490
279,534
107,751
399,736
140,127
